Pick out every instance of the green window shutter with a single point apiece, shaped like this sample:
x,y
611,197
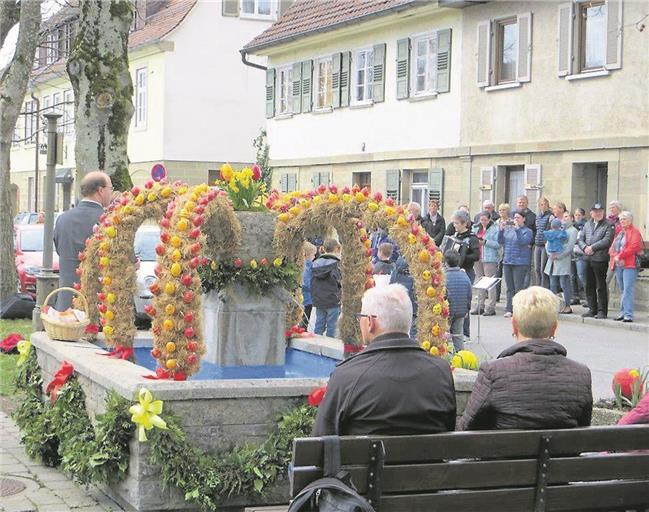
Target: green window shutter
x,y
307,73
392,184
403,68
292,182
270,93
345,75
335,79
324,178
296,91
443,60
435,186
230,8
378,73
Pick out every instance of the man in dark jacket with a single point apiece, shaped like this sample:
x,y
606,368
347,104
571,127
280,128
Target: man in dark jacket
x,y
532,384
393,387
74,226
434,223
595,241
325,288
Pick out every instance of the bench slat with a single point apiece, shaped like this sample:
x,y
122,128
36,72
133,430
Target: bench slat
x,y
582,497
494,444
486,474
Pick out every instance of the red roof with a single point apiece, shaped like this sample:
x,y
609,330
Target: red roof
x,y
161,23
305,17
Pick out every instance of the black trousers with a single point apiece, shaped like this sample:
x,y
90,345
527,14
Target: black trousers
x,y
596,289
306,315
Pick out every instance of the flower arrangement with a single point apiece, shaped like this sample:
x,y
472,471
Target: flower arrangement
x,y
257,276
244,188
629,386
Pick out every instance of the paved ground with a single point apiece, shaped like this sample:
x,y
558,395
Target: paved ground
x,y
45,489
604,346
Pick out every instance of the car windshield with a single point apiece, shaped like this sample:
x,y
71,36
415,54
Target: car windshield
x,y
31,240
145,242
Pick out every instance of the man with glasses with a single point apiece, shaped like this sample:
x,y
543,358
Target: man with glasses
x,y
74,226
393,386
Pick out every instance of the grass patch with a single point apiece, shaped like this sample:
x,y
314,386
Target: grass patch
x,y
8,374
8,361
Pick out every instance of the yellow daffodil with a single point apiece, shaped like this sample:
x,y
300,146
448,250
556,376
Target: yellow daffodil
x,y
145,414
24,348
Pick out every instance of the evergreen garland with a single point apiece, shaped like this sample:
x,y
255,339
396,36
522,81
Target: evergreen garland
x,y
62,434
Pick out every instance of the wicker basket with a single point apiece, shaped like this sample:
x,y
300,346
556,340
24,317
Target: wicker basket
x,y
59,330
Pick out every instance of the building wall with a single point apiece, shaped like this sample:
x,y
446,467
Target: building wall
x,y
393,125
550,108
214,103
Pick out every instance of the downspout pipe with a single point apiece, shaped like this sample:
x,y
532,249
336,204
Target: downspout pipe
x,y
244,59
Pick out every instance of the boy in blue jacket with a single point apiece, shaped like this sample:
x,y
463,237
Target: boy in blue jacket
x,y
458,294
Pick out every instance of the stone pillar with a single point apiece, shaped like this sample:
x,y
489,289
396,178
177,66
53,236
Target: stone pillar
x,y
242,329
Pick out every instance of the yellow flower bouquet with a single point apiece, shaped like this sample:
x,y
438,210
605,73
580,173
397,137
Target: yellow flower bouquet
x,y
245,188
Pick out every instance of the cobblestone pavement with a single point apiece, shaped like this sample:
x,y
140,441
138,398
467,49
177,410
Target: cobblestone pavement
x,y
45,489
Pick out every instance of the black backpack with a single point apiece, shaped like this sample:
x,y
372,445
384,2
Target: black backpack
x,y
333,493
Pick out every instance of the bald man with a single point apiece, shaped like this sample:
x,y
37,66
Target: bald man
x,y
74,226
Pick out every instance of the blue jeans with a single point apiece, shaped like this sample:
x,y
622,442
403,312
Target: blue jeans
x,y
626,278
581,272
566,286
457,332
540,259
515,276
326,319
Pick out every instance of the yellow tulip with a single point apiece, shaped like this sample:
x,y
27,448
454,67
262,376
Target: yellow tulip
x,y
277,262
253,264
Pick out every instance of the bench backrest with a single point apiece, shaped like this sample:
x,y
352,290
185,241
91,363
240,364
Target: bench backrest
x,y
596,468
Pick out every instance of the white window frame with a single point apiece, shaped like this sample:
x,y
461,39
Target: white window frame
x,y
255,15
52,47
316,84
30,122
368,86
286,89
68,112
498,53
415,39
56,100
580,51
141,98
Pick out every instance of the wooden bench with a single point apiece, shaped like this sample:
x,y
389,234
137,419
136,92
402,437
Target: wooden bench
x,y
582,469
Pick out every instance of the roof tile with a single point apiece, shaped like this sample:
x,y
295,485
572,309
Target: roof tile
x,y
307,16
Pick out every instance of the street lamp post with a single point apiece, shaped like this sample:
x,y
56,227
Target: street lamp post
x,y
47,280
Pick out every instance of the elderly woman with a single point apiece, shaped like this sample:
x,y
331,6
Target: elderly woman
x,y
515,238
487,233
624,249
559,264
532,384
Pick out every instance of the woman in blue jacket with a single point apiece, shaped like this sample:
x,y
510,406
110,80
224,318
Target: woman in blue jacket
x,y
487,265
516,239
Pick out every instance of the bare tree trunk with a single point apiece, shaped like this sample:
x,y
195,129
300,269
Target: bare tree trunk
x,y
9,16
13,86
103,90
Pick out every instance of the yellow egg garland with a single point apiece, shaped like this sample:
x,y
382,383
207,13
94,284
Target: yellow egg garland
x,y
177,306
353,214
108,270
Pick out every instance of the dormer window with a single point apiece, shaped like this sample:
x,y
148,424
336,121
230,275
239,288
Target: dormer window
x,y
262,9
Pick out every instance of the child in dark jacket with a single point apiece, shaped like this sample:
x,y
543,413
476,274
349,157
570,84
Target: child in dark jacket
x,y
458,293
401,275
384,266
325,288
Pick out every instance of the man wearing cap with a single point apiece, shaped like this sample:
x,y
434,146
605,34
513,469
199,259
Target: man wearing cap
x,y
595,241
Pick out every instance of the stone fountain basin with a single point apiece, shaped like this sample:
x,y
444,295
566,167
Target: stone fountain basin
x,y
216,414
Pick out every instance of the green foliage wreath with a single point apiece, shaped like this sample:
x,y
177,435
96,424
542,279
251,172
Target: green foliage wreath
x,y
62,434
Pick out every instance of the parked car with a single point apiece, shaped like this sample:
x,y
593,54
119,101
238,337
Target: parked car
x,y
146,239
31,218
28,245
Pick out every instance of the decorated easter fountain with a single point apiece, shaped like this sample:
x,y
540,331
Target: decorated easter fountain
x,y
215,372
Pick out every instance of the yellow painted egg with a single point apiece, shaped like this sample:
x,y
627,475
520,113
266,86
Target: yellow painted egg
x,y
111,298
168,325
171,346
170,364
170,309
176,241
176,269
170,288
